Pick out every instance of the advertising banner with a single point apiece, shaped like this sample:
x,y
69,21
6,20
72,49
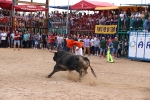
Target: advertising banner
x,y
132,44
140,45
105,29
147,46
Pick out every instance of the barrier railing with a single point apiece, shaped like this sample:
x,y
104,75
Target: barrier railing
x,y
139,45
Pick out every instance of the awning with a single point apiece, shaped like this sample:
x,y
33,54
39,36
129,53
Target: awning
x,y
6,4
124,8
89,5
107,8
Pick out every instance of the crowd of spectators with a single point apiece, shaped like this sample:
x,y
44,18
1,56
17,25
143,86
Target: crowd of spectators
x,y
5,18
93,45
80,21
22,20
135,20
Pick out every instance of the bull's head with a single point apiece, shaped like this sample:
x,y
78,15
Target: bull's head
x,y
55,56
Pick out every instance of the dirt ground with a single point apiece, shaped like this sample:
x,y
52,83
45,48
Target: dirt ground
x,y
23,77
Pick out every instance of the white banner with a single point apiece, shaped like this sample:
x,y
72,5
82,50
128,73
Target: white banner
x,y
140,45
132,44
147,46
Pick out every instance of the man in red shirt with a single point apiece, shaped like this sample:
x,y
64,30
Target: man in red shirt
x,y
51,41
16,40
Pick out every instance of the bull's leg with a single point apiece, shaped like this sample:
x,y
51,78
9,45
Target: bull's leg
x,y
85,72
49,76
80,75
54,70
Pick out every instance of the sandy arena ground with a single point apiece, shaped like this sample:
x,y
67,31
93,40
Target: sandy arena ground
x,y
23,77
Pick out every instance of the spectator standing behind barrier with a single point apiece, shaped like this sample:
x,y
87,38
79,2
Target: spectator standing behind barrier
x,y
96,46
146,20
12,39
119,49
115,47
87,45
36,41
44,41
29,40
39,40
133,22
21,39
139,20
25,40
65,43
16,40
51,41
148,25
92,45
59,42
103,47
3,39
33,40
8,39
125,20
122,19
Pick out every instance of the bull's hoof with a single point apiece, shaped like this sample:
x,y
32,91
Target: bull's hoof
x,y
48,77
79,80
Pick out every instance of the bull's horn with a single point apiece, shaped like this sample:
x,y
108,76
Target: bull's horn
x,y
54,51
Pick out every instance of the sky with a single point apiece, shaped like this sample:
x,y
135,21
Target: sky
x,y
71,2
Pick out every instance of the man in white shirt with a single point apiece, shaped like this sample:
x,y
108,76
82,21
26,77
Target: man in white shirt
x,y
59,42
3,39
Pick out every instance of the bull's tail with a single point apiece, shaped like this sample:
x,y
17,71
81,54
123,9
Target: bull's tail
x,y
93,72
86,59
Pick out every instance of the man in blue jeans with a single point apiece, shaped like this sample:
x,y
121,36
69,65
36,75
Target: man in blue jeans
x,y
110,46
115,47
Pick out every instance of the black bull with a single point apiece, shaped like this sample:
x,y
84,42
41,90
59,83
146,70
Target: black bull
x,y
66,61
